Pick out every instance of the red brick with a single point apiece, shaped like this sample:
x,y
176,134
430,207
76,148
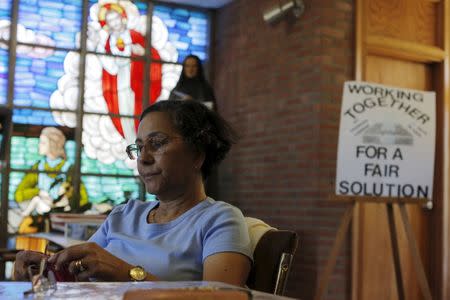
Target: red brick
x,y
281,87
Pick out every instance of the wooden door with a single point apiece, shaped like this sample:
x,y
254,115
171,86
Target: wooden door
x,y
401,43
378,267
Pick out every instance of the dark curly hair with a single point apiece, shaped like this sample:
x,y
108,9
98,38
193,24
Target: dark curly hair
x,y
203,129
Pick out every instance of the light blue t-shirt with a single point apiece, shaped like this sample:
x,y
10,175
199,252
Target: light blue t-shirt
x,y
174,251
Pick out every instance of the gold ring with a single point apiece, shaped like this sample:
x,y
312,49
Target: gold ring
x,y
79,266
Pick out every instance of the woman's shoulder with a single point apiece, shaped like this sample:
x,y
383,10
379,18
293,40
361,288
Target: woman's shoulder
x,y
219,204
221,209
223,223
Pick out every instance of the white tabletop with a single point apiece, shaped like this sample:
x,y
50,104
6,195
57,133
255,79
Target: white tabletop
x,y
108,290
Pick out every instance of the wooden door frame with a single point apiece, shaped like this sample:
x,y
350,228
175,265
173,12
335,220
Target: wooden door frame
x,y
439,57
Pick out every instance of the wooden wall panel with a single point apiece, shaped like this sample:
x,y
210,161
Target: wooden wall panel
x,y
400,73
377,277
405,43
408,20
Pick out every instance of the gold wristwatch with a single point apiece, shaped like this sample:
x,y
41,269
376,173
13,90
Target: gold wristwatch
x,y
137,273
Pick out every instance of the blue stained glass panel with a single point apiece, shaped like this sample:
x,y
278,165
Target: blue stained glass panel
x,y
5,14
142,7
3,76
5,9
14,180
36,82
36,78
188,30
42,117
50,23
114,190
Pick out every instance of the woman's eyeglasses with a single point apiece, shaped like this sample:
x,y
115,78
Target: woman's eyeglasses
x,y
155,144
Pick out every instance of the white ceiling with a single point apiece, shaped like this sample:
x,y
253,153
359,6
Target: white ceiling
x,y
201,3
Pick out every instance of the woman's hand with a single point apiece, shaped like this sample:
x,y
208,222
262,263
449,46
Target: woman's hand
x,y
89,260
24,259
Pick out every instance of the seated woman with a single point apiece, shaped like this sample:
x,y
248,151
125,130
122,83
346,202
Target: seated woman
x,y
185,235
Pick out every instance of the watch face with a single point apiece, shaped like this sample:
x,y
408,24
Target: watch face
x,y
137,273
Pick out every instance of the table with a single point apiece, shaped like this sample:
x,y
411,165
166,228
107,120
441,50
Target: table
x,y
62,220
108,290
57,238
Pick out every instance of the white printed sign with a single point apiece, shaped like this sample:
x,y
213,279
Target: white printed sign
x,y
386,142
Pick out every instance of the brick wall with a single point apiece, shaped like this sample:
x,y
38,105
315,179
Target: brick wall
x,y
280,86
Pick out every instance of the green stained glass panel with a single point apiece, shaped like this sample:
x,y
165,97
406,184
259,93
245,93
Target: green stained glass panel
x,y
111,190
118,167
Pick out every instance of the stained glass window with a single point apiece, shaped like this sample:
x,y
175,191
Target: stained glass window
x,y
114,190
24,212
187,30
26,152
95,166
42,117
5,16
121,71
171,74
37,75
3,75
5,9
49,23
